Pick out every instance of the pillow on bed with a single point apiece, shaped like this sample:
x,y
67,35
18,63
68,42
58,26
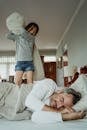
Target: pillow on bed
x,y
80,85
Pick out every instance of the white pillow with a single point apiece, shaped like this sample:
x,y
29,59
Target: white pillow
x,y
80,85
15,22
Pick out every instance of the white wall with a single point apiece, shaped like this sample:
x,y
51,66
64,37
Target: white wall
x,y
76,38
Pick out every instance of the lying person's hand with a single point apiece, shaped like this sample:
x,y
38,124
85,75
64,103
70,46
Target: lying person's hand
x,y
67,110
73,115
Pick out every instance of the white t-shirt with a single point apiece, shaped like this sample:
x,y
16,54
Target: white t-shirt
x,y
38,97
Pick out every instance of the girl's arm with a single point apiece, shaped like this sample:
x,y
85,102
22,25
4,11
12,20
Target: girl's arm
x,y
11,36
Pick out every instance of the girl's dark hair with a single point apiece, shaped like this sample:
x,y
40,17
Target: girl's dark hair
x,y
76,95
34,25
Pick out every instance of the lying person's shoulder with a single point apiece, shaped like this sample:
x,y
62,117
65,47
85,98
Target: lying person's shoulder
x,y
46,82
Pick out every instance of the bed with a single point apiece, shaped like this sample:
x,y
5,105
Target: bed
x,y
24,123
29,125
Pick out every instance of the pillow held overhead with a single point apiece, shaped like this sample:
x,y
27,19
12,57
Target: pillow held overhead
x,y
15,22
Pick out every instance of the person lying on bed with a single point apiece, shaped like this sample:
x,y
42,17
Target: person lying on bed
x,y
48,104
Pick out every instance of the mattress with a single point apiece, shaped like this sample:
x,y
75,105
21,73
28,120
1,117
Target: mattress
x,y
29,125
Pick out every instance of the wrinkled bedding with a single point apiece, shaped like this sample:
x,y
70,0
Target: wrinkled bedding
x,y
12,99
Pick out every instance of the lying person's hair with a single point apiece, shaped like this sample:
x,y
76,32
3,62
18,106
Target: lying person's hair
x,y
76,95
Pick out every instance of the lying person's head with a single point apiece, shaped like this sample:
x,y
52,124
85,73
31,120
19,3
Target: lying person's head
x,y
66,98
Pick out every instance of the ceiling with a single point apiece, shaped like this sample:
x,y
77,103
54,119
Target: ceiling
x,y
52,16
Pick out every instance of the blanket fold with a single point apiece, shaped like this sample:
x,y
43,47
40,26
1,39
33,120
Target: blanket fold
x,y
12,101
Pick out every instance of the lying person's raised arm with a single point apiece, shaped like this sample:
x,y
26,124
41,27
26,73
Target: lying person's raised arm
x,y
40,92
54,117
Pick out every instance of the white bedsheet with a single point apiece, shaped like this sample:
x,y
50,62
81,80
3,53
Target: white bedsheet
x,y
29,125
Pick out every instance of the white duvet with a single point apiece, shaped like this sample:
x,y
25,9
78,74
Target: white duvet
x,y
12,101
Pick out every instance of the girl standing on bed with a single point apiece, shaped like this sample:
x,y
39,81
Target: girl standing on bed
x,y
25,42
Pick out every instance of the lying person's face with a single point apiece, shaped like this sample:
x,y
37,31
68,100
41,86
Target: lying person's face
x,y
59,100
